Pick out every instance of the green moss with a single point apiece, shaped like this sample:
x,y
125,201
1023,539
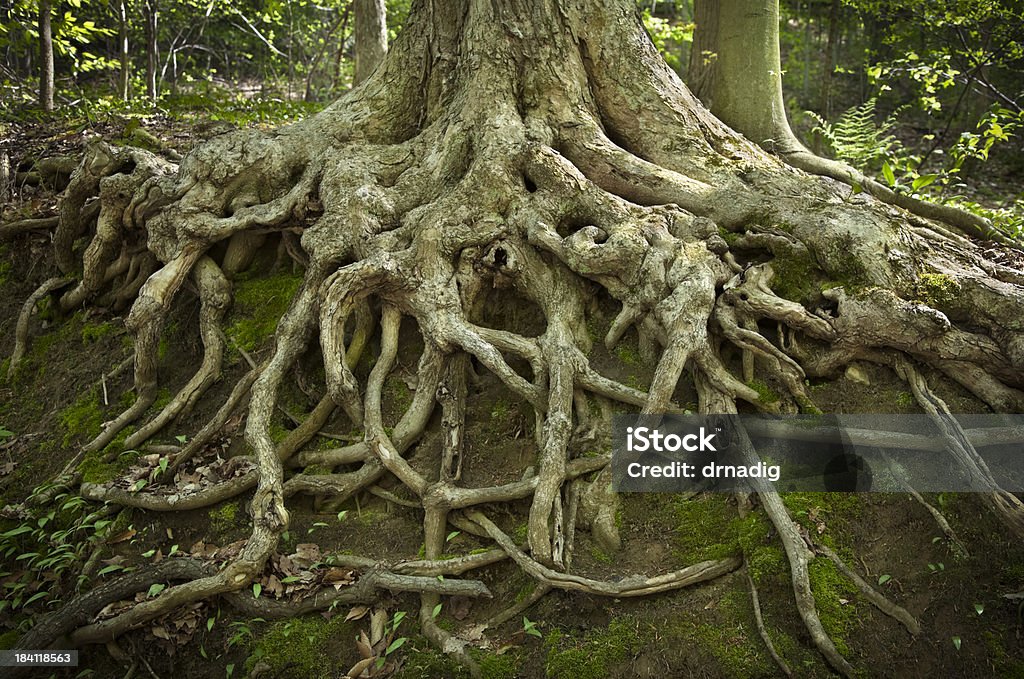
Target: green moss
x,y
599,555
8,639
844,266
795,276
95,332
628,353
706,528
307,647
95,470
519,533
732,640
764,392
765,558
397,393
5,271
937,290
831,588
83,417
223,517
594,654
422,661
823,514
492,666
1005,665
905,399
259,305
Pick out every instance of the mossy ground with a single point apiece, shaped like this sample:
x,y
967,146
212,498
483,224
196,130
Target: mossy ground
x,y
259,304
309,647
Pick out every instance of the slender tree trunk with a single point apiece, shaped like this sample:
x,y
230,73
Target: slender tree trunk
x,y
828,63
122,41
371,37
45,56
151,47
700,76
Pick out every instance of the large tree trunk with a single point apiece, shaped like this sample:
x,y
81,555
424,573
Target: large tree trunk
x,y
45,56
540,151
371,36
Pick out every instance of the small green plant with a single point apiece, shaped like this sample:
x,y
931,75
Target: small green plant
x,y
47,545
530,627
859,140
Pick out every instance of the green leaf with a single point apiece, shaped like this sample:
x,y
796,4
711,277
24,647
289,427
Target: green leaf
x,y
36,597
437,611
155,589
452,536
980,608
256,589
956,643
395,645
210,623
887,172
20,530
924,180
882,579
109,569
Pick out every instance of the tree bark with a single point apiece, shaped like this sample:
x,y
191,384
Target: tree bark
x,y
45,56
371,37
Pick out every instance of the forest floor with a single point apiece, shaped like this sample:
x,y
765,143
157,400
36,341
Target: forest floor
x,y
65,389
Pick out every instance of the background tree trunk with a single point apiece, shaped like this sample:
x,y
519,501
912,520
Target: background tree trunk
x,y
152,55
45,56
122,42
700,75
371,37
747,90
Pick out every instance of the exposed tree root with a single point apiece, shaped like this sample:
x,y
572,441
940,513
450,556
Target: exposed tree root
x,y
27,309
428,192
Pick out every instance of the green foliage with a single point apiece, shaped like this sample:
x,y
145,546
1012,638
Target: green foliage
x,y
670,37
47,544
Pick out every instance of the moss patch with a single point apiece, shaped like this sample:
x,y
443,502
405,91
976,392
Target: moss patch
x,y
83,417
937,290
704,528
831,589
764,392
422,661
592,655
223,517
259,305
731,640
308,647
